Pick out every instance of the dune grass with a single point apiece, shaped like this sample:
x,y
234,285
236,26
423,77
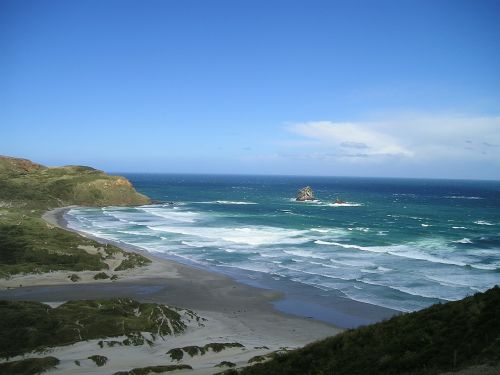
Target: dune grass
x,y
154,370
28,326
178,353
30,366
29,245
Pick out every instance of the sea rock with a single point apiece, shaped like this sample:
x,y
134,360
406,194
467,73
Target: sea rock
x,y
305,194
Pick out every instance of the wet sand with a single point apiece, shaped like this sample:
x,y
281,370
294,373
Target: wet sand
x,y
233,309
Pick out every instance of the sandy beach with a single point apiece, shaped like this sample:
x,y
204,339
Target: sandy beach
x,y
234,312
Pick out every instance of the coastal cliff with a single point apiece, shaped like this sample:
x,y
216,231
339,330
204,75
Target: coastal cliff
x,y
24,183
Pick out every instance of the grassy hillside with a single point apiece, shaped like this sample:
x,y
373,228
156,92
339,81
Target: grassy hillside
x,y
28,326
28,244
24,184
443,337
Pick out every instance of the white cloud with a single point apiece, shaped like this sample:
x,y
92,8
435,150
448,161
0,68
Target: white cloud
x,y
376,143
417,137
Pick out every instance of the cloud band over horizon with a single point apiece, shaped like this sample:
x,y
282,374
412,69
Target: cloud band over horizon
x,y
416,137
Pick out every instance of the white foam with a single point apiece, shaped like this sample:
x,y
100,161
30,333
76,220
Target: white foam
x,y
384,269
193,244
406,251
463,240
403,289
459,227
353,263
346,204
255,267
425,225
446,281
360,229
329,276
270,255
462,197
175,216
331,231
251,235
315,201
304,254
226,202
136,233
483,222
345,246
320,230
235,202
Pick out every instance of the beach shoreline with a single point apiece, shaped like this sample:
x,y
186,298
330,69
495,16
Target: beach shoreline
x,y
303,302
235,311
171,283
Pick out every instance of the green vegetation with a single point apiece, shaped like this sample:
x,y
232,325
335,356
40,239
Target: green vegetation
x,y
24,184
29,366
131,261
101,276
258,358
136,339
28,326
218,347
109,343
99,360
226,364
443,337
74,277
28,244
178,353
194,350
153,369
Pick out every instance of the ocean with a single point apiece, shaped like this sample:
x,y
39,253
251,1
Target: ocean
x,y
403,244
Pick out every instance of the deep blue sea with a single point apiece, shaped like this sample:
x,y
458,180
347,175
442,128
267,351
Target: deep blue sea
x,y
398,243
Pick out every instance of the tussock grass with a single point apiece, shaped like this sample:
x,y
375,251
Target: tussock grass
x,y
178,353
30,366
154,370
28,326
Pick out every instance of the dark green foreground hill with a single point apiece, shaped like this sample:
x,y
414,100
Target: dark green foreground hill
x,y
28,244
443,337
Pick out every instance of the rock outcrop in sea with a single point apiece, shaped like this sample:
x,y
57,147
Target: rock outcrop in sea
x,y
305,194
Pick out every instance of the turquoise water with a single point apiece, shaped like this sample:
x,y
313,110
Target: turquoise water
x,y
398,243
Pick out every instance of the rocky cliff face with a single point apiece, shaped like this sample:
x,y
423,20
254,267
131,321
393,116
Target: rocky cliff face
x,y
13,166
305,194
27,184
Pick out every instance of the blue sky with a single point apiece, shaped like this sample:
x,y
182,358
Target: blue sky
x,y
362,88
